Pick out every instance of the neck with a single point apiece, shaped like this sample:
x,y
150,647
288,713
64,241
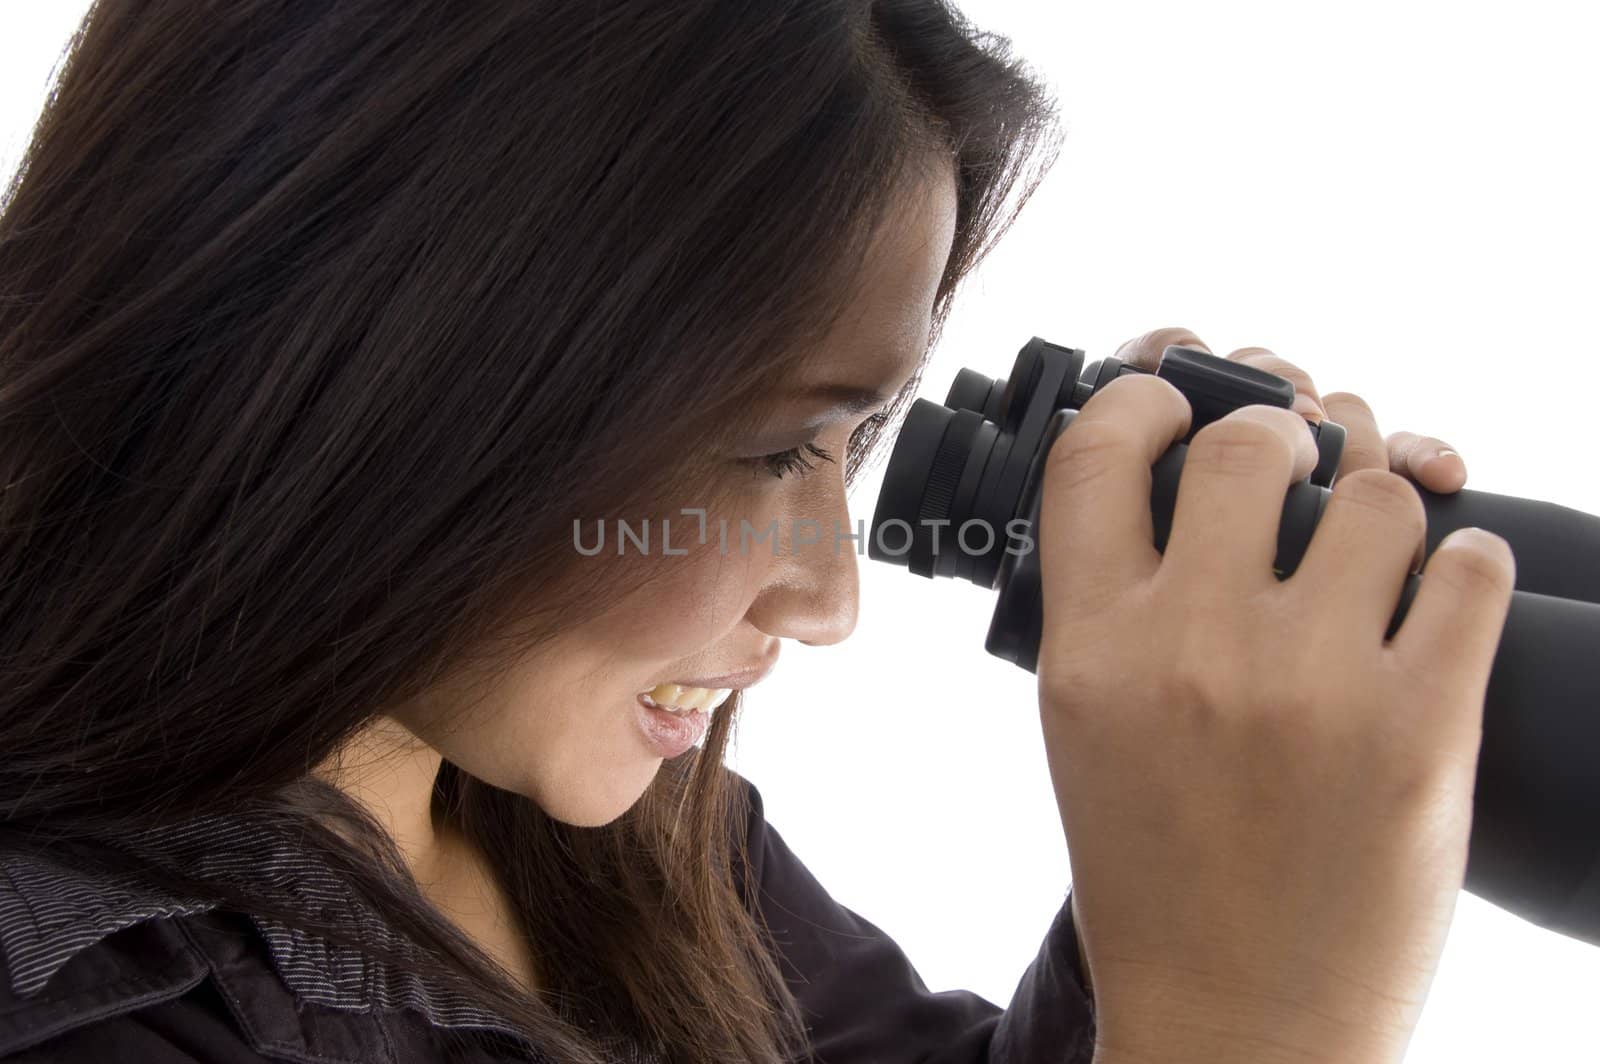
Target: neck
x,y
390,772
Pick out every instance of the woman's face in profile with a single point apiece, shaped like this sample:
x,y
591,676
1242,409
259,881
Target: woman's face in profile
x,y
566,726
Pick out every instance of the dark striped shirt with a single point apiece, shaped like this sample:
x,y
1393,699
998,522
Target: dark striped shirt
x,y
864,998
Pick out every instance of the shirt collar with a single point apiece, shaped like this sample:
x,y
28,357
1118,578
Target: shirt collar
x,y
53,910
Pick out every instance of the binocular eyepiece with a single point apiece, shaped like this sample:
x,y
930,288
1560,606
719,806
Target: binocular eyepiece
x,y
960,498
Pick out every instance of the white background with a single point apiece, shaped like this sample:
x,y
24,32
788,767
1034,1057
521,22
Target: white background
x,y
1399,197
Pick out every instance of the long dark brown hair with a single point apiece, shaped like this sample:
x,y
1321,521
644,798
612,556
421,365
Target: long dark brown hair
x,y
318,325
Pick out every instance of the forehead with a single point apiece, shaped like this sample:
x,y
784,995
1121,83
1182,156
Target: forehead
x,y
883,330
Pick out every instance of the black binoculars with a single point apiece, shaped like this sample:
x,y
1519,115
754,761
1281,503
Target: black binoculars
x,y
964,472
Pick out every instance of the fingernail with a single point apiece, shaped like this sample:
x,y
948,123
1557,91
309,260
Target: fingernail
x,y
1307,407
1445,453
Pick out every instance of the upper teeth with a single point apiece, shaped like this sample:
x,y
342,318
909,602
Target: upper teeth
x,y
678,699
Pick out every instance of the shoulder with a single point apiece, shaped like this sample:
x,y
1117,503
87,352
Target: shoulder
x,y
101,964
97,967
140,994
777,885
82,951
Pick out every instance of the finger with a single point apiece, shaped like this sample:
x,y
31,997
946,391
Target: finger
x,y
1370,538
1095,497
1430,462
1364,445
1307,402
1231,494
1453,627
1145,351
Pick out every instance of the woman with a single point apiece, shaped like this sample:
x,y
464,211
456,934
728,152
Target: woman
x,y
323,324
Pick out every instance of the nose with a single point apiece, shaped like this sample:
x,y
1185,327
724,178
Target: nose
x,y
812,592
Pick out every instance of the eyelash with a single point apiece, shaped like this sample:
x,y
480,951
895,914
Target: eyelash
x,y
795,460
798,459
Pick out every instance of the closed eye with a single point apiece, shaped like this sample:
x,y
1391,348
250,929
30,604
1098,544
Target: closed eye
x,y
798,460
794,460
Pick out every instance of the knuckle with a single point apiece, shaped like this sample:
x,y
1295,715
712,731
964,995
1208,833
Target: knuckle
x,y
1087,451
1271,362
1389,495
1358,455
1069,686
1061,687
1221,667
1056,688
1250,354
1349,399
1209,633
1173,333
1158,340
1192,676
1241,446
1301,378
1187,686
1476,565
1146,386
1139,399
1401,445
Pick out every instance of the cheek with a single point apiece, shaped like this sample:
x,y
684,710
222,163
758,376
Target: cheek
x,y
688,603
683,604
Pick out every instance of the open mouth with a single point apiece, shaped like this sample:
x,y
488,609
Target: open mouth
x,y
676,698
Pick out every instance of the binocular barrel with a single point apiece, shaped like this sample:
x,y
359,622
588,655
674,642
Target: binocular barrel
x,y
977,462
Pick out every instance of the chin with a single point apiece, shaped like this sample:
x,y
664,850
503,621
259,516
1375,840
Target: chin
x,y
598,798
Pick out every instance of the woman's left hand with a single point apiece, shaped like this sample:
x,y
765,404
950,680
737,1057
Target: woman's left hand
x,y
1428,461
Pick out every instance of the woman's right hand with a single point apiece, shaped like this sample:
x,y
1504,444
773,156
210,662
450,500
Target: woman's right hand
x,y
1267,805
